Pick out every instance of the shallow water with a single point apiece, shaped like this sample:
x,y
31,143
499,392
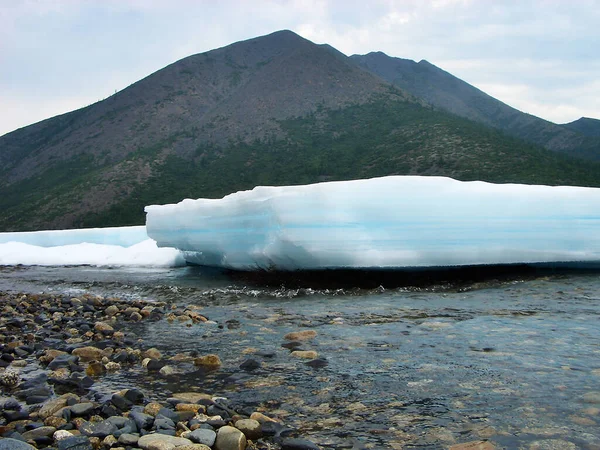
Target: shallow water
x,y
509,361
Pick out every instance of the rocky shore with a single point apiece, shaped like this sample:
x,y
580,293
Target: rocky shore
x,y
54,348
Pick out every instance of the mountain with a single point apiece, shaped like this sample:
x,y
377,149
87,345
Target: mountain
x,y
276,109
445,91
585,126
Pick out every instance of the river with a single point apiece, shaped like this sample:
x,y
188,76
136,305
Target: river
x,y
513,360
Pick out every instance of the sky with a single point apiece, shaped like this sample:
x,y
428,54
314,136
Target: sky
x,y
539,56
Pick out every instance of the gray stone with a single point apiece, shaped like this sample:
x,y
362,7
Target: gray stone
x,y
14,444
99,429
250,427
142,420
129,439
82,409
161,441
230,438
297,444
203,436
75,443
38,433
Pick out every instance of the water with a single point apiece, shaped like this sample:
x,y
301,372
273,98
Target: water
x,y
505,360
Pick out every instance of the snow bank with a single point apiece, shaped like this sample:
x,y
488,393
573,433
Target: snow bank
x,y
123,246
390,222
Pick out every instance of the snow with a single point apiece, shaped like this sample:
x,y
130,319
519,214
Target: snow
x,y
390,222
120,246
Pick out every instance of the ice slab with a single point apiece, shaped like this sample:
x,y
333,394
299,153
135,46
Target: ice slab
x,y
119,246
121,236
383,223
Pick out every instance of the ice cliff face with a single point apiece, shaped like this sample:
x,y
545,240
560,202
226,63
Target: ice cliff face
x,y
391,222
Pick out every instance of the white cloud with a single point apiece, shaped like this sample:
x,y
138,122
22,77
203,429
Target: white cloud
x,y
69,49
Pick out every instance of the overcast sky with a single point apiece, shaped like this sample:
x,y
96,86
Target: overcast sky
x,y
540,56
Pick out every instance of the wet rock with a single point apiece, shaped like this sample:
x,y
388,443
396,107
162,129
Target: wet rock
x,y
98,429
193,407
128,439
208,361
250,427
9,378
167,371
157,441
152,353
104,328
82,409
230,438
191,397
292,345
152,408
135,396
154,365
301,335
305,354
297,444
121,402
88,353
317,363
38,432
202,436
75,443
143,421
111,310
13,416
94,369
250,365
59,435
14,444
592,397
473,445
65,360
551,444
260,417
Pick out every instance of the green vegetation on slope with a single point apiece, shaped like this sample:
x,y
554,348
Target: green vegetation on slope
x,y
377,139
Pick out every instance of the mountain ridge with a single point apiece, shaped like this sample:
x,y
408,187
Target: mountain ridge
x,y
276,109
443,90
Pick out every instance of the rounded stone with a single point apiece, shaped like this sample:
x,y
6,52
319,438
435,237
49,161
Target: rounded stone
x,y
301,335
250,427
202,436
208,361
14,444
88,353
305,354
161,442
230,438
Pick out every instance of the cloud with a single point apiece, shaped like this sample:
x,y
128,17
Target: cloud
x,y
69,49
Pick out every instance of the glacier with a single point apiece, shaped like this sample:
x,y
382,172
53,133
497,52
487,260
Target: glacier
x,y
392,222
115,246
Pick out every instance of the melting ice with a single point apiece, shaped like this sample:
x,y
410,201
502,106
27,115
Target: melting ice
x,y
390,222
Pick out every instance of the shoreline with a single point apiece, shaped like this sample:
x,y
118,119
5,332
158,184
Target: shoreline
x,y
54,349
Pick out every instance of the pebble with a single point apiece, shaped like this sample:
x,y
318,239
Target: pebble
x,y
473,445
203,436
301,335
208,361
305,354
250,427
14,444
230,438
157,441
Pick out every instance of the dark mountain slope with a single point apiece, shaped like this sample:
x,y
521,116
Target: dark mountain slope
x,y
585,126
443,90
272,110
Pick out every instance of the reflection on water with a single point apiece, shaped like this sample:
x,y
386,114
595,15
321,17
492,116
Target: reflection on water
x,y
515,361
